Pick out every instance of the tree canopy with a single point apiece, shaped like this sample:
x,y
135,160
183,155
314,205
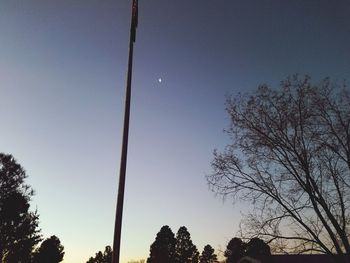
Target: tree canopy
x,y
163,248
179,249
185,250
19,232
237,249
208,255
102,257
257,248
50,251
290,156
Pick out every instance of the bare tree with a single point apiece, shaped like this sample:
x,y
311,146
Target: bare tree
x,y
290,157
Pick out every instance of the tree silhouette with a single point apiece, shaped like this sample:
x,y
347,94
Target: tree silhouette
x,y
255,248
258,249
185,250
290,158
163,248
235,250
105,257
50,251
208,255
19,231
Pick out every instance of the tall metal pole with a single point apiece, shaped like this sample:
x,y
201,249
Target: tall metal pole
x,y
122,171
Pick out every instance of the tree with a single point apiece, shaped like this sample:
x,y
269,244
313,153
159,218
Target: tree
x,y
290,157
50,251
185,250
19,231
208,255
163,248
258,249
105,257
235,250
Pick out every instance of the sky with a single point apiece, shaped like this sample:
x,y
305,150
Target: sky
x,y
62,80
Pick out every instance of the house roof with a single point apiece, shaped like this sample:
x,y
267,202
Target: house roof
x,y
306,259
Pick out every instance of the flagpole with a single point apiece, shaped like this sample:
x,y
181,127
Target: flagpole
x,y
122,171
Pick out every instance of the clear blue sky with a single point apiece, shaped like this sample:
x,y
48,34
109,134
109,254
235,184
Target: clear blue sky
x,y
62,79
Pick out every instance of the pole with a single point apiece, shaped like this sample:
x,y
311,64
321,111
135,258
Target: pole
x,y
122,171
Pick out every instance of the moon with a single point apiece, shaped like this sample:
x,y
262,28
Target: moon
x,y
160,80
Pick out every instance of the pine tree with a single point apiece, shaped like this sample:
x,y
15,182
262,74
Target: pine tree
x,y
19,231
258,249
235,250
255,248
208,255
163,248
105,257
185,250
50,250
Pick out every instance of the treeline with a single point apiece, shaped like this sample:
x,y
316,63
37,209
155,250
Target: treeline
x,y
19,227
168,248
180,249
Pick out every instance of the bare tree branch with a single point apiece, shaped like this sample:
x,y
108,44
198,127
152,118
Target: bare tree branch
x,y
290,157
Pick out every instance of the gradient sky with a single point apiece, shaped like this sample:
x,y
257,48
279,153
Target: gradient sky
x,y
62,79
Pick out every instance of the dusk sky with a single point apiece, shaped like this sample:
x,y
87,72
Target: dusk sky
x,y
62,80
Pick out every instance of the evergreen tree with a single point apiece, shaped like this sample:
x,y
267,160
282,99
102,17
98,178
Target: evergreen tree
x,y
185,250
235,250
258,249
19,231
208,255
50,251
163,248
255,248
105,257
